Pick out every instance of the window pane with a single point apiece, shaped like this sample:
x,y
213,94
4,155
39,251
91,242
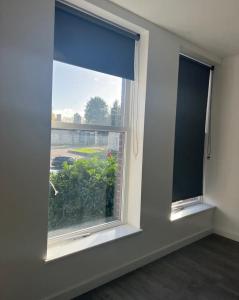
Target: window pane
x,y
86,163
84,96
85,178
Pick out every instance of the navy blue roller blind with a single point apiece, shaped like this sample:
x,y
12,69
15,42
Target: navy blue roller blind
x,y
193,83
89,42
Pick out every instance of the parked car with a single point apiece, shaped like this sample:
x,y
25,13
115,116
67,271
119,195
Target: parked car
x,y
58,161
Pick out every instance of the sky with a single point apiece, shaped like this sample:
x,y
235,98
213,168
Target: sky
x,y
74,86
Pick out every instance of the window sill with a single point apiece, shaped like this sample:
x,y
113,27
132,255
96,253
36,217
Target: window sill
x,y
68,247
190,210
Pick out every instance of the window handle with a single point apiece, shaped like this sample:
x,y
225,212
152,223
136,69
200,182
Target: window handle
x,y
84,235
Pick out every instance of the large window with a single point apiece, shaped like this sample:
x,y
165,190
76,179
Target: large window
x,y
93,72
87,148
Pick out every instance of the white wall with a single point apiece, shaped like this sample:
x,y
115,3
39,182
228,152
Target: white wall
x,y
26,53
223,169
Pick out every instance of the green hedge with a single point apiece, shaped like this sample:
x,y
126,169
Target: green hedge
x,y
85,192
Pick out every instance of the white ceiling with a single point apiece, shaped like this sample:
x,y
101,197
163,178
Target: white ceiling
x,y
210,24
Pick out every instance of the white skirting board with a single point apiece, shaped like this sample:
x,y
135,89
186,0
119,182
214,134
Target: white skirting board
x,y
226,234
103,278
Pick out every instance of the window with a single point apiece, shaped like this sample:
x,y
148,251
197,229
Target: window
x,y
87,148
192,101
92,134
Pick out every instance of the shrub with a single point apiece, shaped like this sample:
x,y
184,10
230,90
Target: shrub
x,y
85,192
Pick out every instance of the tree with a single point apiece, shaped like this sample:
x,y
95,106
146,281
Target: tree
x,y
96,112
115,114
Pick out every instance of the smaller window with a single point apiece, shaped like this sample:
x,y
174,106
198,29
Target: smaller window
x,y
192,102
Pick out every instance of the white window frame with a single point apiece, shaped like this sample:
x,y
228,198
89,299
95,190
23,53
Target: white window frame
x,y
134,92
182,204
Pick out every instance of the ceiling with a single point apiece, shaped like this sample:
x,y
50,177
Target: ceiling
x,y
210,24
